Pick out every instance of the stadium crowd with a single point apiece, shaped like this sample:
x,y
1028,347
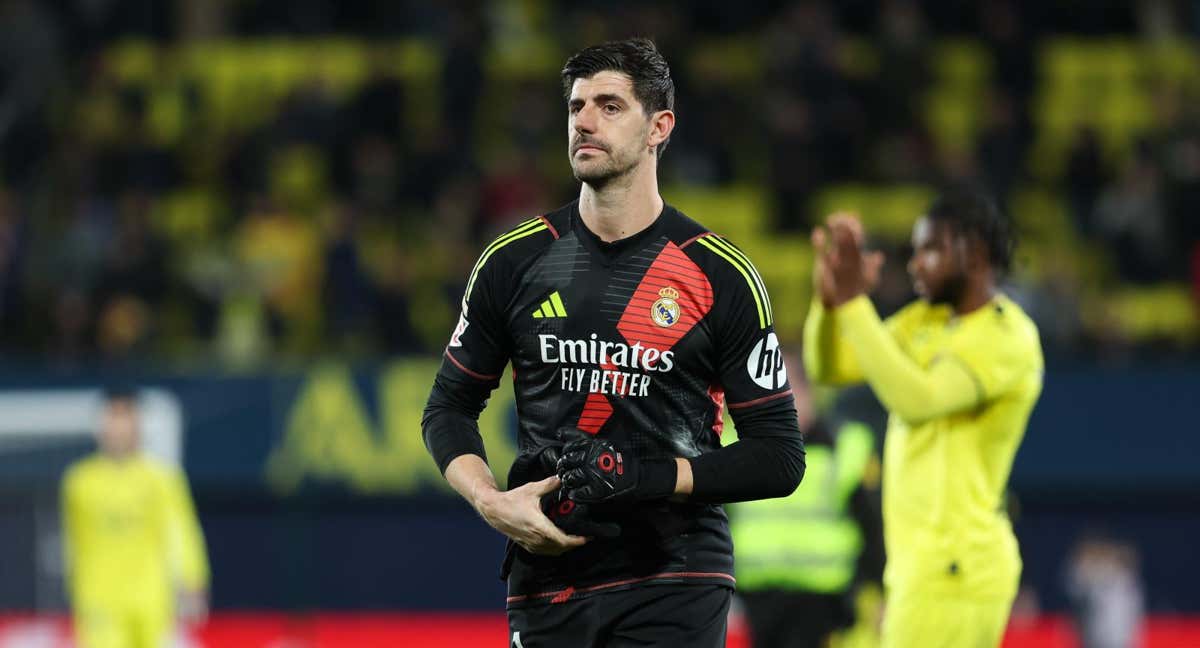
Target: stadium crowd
x,y
233,182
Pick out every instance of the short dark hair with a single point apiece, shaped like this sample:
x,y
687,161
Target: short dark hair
x,y
636,57
971,211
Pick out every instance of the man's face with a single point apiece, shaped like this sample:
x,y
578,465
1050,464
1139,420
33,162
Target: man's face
x,y
607,128
938,265
119,428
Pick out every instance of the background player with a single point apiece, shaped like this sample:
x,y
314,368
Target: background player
x,y
627,325
132,540
801,559
959,372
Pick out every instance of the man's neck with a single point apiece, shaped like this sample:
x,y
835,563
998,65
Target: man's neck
x,y
118,456
981,289
622,207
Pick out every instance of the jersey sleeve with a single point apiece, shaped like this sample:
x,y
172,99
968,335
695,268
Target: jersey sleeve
x,y
475,357
189,558
827,357
479,346
997,357
750,360
72,525
767,460
907,390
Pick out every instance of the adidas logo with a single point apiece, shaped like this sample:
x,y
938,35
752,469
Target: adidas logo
x,y
552,307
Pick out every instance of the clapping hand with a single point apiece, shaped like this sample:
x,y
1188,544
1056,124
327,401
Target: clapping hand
x,y
842,269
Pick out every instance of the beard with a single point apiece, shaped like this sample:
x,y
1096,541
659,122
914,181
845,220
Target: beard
x,y
603,168
599,173
951,291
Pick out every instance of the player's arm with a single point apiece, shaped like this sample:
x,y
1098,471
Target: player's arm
x,y
767,460
912,392
828,359
72,521
188,552
471,367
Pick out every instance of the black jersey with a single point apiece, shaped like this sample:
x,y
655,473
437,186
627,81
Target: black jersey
x,y
642,341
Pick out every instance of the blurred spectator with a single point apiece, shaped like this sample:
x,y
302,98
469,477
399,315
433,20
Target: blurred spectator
x,y
802,560
1104,585
903,64
280,252
1086,177
346,292
30,60
1131,217
1003,30
12,257
1001,148
825,97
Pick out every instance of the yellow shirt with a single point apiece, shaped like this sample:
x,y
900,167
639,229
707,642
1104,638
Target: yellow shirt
x,y
959,391
131,532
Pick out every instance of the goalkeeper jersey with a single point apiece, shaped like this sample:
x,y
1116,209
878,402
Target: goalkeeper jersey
x,y
642,341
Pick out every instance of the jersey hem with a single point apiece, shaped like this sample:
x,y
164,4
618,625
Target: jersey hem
x,y
572,593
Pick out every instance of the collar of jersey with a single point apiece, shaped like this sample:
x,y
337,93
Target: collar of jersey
x,y
609,252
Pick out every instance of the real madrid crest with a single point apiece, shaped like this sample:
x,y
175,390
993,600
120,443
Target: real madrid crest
x,y
665,311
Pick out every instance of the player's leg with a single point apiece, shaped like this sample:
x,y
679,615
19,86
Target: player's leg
x,y
944,622
672,615
550,625
151,627
989,620
99,626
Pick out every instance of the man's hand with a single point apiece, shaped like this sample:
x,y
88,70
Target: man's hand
x,y
823,285
593,471
843,270
575,518
535,465
517,513
193,606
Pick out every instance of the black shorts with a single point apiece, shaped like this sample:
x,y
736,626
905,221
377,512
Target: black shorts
x,y
654,615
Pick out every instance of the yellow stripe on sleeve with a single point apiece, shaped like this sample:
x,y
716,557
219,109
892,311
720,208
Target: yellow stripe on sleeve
x,y
531,226
763,313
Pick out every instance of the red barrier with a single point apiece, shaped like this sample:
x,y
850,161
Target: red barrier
x,y
454,630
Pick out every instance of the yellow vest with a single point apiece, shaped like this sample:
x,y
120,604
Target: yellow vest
x,y
807,541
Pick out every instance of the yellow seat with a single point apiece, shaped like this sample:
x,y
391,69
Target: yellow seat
x,y
737,212
886,211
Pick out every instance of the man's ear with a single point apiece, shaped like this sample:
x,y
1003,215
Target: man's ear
x,y
977,253
661,125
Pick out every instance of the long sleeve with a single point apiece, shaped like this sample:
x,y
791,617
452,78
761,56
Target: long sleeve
x,y
189,556
70,528
471,365
768,458
766,461
828,358
905,389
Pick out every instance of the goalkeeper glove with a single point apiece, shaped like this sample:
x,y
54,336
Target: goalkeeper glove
x,y
592,470
574,518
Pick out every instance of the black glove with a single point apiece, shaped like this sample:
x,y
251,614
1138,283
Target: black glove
x,y
593,470
574,518
535,465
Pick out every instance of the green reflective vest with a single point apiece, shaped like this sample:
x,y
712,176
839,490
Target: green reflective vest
x,y
807,541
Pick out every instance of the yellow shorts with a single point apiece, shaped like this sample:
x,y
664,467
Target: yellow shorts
x,y
106,626
928,621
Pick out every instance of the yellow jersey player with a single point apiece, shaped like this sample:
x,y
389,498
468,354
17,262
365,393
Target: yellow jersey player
x,y
132,540
959,372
